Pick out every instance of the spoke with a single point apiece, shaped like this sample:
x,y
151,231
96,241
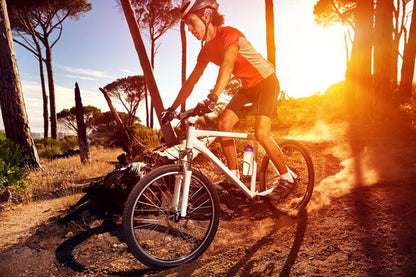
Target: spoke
x,y
198,190
199,207
200,197
152,204
155,196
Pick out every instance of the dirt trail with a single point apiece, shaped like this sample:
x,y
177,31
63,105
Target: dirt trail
x,y
21,222
360,222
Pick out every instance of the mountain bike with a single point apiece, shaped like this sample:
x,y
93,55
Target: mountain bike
x,y
172,214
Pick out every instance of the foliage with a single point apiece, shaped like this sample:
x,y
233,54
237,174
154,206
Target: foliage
x,y
39,23
68,117
330,12
68,143
328,107
32,19
146,136
12,172
48,147
292,112
157,16
129,91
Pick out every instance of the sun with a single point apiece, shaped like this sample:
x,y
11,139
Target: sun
x,y
310,60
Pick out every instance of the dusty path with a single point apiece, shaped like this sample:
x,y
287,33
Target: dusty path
x,y
21,222
360,222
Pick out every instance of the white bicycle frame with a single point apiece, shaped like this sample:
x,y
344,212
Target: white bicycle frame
x,y
193,142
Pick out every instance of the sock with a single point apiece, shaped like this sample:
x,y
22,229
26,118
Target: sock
x,y
291,172
287,177
236,173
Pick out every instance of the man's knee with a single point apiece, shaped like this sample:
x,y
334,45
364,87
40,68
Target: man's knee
x,y
226,122
261,134
223,125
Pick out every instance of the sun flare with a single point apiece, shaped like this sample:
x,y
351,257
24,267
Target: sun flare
x,y
312,59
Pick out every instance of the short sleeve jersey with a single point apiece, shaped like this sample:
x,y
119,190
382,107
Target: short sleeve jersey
x,y
250,67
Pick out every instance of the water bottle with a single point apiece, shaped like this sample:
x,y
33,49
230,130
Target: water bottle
x,y
248,160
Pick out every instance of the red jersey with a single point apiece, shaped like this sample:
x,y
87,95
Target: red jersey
x,y
250,67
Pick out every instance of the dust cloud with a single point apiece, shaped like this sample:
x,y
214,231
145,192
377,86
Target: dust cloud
x,y
321,131
362,155
346,179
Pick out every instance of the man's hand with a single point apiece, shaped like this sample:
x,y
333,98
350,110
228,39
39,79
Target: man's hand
x,y
167,115
206,106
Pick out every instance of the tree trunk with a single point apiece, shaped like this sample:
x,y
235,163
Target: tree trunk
x,y
51,86
383,56
408,67
11,96
130,138
152,63
84,152
183,65
270,40
167,130
358,74
44,97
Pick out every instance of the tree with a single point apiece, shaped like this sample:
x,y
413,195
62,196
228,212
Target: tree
x,y
11,96
183,60
408,67
157,17
68,117
270,40
400,20
19,18
383,56
84,153
42,21
129,91
331,12
358,74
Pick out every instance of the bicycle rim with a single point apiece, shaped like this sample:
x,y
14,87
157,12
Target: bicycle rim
x,y
156,234
298,160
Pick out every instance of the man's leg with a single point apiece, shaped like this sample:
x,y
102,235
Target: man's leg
x,y
226,123
262,132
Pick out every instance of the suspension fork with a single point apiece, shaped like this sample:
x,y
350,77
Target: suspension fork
x,y
187,174
184,182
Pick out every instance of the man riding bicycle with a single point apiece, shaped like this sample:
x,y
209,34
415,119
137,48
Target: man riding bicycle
x,y
228,48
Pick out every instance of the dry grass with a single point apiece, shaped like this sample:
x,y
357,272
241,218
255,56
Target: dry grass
x,y
66,176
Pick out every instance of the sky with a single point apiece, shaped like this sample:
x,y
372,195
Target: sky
x,y
97,49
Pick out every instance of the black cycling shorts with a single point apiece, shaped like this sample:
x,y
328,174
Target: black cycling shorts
x,y
263,96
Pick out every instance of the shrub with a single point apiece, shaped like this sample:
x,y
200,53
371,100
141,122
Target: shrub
x,y
146,136
68,143
12,172
48,147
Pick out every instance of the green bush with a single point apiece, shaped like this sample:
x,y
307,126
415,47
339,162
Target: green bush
x,y
48,147
145,135
12,172
68,143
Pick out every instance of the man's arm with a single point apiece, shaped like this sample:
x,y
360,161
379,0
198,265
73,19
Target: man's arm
x,y
189,84
226,69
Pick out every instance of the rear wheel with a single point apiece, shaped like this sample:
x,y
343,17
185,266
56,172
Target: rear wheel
x,y
299,161
155,232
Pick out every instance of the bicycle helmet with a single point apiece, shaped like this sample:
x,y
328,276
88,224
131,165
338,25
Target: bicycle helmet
x,y
189,6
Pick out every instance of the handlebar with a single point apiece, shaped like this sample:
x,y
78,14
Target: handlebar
x,y
186,114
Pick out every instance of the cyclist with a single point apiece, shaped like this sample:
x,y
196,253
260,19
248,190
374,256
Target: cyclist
x,y
228,48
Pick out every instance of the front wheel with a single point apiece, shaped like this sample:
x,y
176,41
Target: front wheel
x,y
154,230
299,161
